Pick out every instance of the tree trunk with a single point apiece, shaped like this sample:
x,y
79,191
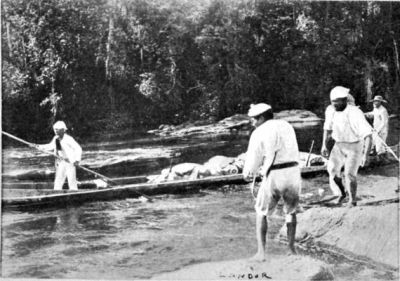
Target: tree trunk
x,y
110,89
368,83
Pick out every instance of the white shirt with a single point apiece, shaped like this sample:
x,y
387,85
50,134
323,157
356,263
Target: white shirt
x,y
329,112
381,119
348,125
70,149
273,142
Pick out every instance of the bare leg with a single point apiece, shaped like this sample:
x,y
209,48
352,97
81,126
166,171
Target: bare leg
x,y
353,192
339,183
261,233
291,222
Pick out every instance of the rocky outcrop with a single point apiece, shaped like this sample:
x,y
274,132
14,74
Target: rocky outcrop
x,y
236,123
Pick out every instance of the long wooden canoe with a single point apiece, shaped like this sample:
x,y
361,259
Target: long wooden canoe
x,y
30,199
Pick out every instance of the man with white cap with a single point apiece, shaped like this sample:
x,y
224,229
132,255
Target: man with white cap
x,y
350,131
273,148
70,151
381,124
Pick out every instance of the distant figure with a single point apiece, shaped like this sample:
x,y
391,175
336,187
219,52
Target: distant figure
x,y
381,124
68,149
349,129
273,148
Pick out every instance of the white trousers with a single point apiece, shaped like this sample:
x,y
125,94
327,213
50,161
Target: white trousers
x,y
65,170
282,183
348,155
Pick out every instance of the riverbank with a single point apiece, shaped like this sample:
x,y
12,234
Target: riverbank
x,y
367,235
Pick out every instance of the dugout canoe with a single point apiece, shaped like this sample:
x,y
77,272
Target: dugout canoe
x,y
31,199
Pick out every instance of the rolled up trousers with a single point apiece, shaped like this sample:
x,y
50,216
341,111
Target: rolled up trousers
x,y
348,155
65,170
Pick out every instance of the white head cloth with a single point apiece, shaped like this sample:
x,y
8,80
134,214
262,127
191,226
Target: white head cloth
x,y
339,92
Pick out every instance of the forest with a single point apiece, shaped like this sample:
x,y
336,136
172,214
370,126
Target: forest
x,y
113,65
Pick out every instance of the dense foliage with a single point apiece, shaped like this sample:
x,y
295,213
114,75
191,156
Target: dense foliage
x,y
104,65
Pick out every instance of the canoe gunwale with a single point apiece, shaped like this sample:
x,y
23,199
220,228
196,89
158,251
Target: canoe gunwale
x,y
130,190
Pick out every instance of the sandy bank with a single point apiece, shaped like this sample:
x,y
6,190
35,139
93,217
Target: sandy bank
x,y
370,231
279,268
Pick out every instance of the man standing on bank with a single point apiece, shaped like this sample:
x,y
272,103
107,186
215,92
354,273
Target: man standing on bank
x,y
381,125
273,148
352,135
64,146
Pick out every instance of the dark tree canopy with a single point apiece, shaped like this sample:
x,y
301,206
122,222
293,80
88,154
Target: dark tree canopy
x,y
113,65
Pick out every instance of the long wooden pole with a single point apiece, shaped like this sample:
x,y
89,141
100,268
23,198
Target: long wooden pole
x,y
309,153
66,160
385,145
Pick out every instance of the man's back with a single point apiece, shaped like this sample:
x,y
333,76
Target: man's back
x,y
279,137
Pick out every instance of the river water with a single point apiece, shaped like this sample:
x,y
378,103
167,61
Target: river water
x,y
130,239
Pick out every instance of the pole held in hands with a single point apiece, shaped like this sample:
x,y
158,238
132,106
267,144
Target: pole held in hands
x,y
107,179
386,146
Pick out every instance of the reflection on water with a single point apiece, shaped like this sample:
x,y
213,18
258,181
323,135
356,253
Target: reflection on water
x,y
128,239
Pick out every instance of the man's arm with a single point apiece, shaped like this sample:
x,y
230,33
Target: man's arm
x,y
364,130
369,114
77,151
47,147
254,157
367,149
327,135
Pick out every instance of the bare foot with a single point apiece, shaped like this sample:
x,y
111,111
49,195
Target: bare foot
x,y
258,257
292,251
340,200
351,204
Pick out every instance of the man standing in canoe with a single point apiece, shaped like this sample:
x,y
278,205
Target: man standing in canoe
x,y
64,146
352,135
273,148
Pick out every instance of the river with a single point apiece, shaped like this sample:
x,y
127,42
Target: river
x,y
130,239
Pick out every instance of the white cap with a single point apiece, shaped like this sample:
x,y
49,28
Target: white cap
x,y
59,125
339,92
257,109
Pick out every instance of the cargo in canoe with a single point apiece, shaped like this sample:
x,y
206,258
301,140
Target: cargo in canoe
x,y
34,198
